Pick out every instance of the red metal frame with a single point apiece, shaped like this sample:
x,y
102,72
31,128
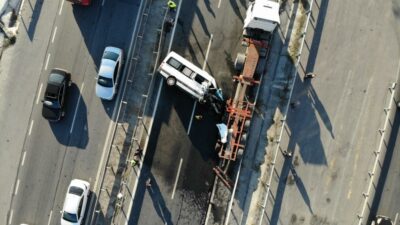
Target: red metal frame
x,y
240,110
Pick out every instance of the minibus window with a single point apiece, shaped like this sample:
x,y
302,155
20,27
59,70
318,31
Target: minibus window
x,y
174,63
199,79
187,72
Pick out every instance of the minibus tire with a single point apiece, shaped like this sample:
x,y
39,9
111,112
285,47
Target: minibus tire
x,y
171,81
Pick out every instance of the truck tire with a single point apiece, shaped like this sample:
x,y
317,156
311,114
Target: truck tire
x,y
171,81
239,153
246,125
243,139
239,62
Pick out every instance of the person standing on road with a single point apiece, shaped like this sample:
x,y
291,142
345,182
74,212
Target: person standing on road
x,y
309,75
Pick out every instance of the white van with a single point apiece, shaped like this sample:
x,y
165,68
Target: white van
x,y
179,71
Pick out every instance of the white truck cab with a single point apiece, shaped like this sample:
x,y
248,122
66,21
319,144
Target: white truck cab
x,y
262,15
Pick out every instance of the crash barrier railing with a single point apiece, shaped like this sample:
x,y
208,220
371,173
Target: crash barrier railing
x,y
284,114
228,211
97,211
140,127
374,174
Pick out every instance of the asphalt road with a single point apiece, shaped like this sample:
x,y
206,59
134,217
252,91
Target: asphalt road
x,y
333,132
47,156
180,155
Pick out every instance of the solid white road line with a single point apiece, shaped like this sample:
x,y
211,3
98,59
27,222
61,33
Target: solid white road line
x,y
54,34
219,3
191,117
62,4
77,106
208,51
23,158
47,61
20,9
102,2
16,188
51,213
11,215
38,95
177,178
30,128
395,218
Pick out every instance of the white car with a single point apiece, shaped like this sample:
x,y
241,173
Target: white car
x,y
75,202
110,68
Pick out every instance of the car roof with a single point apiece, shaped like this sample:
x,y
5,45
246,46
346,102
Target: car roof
x,y
56,78
52,90
191,66
71,203
72,200
107,68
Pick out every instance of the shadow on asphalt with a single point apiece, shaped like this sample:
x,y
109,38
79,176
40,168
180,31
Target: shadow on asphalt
x,y
102,27
80,136
303,116
33,20
156,196
380,187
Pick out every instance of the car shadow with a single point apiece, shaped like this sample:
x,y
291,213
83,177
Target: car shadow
x,y
74,121
102,26
109,107
152,189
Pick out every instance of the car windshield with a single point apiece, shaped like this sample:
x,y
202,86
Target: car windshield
x,y
71,217
104,81
110,55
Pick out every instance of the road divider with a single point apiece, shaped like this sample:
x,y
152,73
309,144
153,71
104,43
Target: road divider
x,y
51,213
54,34
61,7
177,178
47,61
191,117
16,187
30,128
76,108
38,95
23,158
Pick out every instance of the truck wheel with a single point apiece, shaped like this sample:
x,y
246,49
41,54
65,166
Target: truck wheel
x,y
239,62
171,81
243,139
246,125
239,153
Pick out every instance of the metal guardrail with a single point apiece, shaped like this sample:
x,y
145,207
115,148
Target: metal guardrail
x,y
143,124
140,126
283,120
378,153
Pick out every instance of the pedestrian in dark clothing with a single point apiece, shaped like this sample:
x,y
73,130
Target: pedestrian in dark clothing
x,y
309,75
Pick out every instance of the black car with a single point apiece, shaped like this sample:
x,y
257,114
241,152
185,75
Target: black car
x,y
54,96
